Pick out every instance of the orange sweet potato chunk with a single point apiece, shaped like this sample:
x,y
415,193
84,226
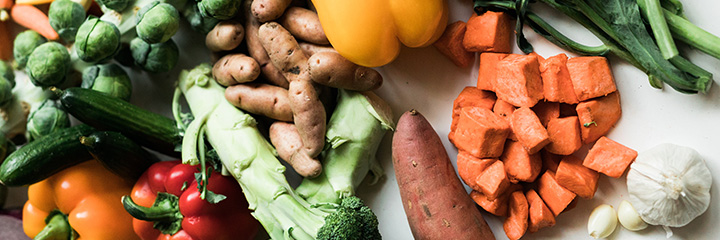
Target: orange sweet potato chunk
x,y
609,157
564,135
519,164
539,214
591,77
450,44
499,205
546,111
487,72
470,97
529,130
516,224
557,86
505,110
518,80
470,168
555,196
550,161
481,133
493,181
489,32
572,175
598,116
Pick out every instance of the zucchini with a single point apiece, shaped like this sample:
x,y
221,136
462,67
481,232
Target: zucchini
x,y
45,156
119,154
104,112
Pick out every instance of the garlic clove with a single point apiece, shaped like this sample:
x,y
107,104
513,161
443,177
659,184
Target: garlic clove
x,y
629,218
602,221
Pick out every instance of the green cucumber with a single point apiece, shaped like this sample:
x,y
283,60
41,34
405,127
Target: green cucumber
x,y
119,154
104,112
45,156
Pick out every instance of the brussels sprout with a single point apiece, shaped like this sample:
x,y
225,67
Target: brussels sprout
x,y
24,44
48,118
5,92
65,17
108,78
220,9
97,40
7,72
158,57
117,5
157,22
48,64
197,21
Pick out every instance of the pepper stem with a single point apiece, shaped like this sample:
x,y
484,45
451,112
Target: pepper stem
x,y
57,228
165,212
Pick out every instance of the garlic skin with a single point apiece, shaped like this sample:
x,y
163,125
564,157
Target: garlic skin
x,y
629,218
669,185
602,222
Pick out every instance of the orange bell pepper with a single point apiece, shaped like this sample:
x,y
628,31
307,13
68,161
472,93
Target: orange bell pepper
x,y
82,201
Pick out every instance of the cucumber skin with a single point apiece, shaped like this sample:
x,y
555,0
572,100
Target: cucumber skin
x,y
45,156
104,112
119,154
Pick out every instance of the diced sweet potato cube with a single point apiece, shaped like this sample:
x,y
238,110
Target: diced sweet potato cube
x,y
505,110
564,135
516,224
598,116
497,207
546,111
450,44
481,133
591,77
573,176
518,80
470,97
489,32
540,58
493,181
555,196
529,130
487,72
609,157
557,86
539,214
550,160
519,164
470,168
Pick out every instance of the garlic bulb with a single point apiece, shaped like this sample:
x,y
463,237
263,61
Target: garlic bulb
x,y
602,221
629,218
669,185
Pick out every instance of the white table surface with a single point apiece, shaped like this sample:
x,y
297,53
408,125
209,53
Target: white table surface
x,y
425,80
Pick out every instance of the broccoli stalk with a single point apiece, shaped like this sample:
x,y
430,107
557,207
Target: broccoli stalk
x,y
252,160
354,133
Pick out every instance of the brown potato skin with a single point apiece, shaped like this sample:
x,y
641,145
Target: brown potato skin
x,y
226,36
234,69
286,139
256,50
310,48
283,50
435,201
304,24
262,99
332,69
268,10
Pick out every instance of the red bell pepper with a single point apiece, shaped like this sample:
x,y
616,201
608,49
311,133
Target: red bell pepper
x,y
167,198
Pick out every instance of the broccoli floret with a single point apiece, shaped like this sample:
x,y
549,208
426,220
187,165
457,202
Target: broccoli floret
x,y
352,220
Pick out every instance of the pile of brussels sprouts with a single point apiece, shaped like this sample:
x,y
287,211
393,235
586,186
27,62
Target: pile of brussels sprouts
x,y
90,52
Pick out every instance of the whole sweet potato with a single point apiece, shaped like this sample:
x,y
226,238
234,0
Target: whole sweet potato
x,y
263,99
256,50
435,201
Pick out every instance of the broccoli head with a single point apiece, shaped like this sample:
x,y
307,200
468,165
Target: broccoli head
x,y
351,220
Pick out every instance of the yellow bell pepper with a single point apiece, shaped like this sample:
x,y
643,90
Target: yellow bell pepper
x,y
82,201
369,32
